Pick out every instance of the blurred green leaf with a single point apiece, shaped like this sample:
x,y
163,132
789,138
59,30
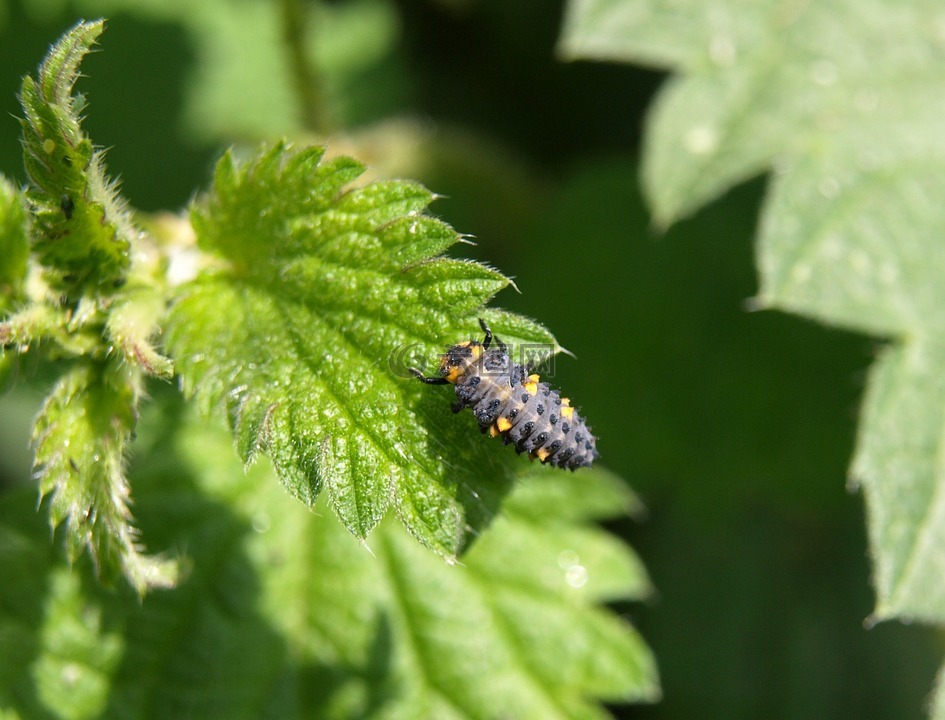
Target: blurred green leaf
x,y
862,250
77,650
294,617
14,251
327,296
897,464
25,558
845,100
539,649
760,83
14,244
937,706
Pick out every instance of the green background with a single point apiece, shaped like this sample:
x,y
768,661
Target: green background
x,y
736,427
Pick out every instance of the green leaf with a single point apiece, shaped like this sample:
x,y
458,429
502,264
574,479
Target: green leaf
x,y
80,437
937,706
82,231
25,559
293,617
515,630
844,100
76,652
758,84
850,232
14,245
326,294
897,463
866,256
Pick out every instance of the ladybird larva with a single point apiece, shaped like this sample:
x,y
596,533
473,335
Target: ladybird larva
x,y
511,402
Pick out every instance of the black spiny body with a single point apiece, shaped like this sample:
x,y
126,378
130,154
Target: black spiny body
x,y
509,401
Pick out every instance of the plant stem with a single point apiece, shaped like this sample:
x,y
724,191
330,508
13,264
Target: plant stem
x,y
308,85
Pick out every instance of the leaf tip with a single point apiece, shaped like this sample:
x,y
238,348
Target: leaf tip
x,y
364,544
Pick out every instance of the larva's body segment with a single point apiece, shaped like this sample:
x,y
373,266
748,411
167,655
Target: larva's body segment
x,y
510,402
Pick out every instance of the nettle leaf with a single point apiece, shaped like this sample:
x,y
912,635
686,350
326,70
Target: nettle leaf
x,y
844,99
109,299
82,230
516,631
80,437
295,618
325,295
871,260
757,85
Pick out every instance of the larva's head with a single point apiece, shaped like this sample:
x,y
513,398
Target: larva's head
x,y
459,358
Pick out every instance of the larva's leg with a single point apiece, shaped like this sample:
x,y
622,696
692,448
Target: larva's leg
x,y
487,341
428,380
